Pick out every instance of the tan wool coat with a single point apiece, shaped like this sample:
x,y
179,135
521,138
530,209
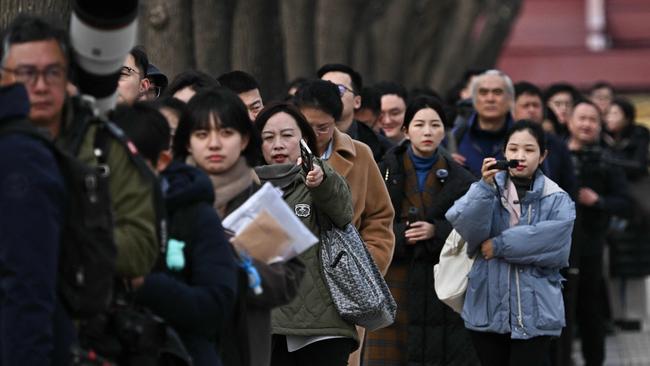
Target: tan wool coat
x,y
373,212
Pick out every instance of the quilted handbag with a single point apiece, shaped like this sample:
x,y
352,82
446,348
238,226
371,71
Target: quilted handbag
x,y
450,274
358,290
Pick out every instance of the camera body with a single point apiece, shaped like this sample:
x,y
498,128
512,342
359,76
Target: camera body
x,y
505,164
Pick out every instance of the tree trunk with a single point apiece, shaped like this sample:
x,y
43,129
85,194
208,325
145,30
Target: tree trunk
x,y
389,34
363,46
424,40
500,18
298,27
257,44
334,30
212,25
165,28
454,58
57,11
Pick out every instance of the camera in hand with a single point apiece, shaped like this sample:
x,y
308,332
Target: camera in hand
x,y
505,164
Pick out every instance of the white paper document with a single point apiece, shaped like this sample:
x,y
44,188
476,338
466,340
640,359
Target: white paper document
x,y
267,229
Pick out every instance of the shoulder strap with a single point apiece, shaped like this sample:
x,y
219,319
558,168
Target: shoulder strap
x,y
107,130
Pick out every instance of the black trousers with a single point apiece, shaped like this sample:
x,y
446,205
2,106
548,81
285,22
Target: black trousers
x,y
330,352
591,310
500,350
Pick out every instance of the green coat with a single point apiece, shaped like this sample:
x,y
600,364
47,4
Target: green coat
x,y
312,312
131,196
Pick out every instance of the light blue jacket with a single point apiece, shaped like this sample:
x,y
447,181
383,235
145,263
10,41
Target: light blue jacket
x,y
519,290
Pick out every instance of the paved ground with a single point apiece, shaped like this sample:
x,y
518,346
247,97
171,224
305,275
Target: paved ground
x,y
625,348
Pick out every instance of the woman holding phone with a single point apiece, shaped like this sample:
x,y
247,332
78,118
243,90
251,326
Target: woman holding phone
x,y
309,330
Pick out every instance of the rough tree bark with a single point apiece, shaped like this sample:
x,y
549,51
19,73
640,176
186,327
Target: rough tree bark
x,y
389,34
500,18
455,55
335,23
257,44
298,28
53,10
364,48
165,28
212,25
424,43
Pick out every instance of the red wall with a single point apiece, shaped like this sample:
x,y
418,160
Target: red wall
x,y
548,44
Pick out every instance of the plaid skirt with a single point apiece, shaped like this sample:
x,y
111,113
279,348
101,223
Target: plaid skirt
x,y
387,346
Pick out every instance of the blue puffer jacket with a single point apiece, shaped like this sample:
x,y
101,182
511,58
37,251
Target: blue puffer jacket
x,y
519,290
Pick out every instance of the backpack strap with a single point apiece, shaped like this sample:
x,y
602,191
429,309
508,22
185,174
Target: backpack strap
x,y
106,131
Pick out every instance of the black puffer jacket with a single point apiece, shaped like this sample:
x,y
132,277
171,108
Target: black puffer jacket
x,y
436,334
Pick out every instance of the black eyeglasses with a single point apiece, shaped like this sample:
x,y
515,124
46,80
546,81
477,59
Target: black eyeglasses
x,y
343,89
53,74
126,71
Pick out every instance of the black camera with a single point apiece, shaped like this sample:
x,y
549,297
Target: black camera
x,y
505,164
102,33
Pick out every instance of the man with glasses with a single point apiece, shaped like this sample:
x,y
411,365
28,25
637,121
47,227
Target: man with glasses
x,y
349,84
393,107
35,53
320,102
134,84
246,87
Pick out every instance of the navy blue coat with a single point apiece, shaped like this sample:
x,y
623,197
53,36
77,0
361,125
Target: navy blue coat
x,y
198,299
34,328
475,144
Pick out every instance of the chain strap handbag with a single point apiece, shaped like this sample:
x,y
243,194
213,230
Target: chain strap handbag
x,y
358,290
450,274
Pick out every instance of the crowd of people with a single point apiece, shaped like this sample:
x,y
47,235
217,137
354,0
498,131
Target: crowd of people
x,y
176,156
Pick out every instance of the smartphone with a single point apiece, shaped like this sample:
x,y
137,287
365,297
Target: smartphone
x,y
412,215
307,157
505,164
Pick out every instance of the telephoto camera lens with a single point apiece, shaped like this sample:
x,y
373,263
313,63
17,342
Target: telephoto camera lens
x,y
102,33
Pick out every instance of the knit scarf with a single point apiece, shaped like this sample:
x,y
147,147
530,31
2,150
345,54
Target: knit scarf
x,y
229,184
422,166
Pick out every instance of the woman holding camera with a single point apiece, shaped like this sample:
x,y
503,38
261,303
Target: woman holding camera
x,y
221,141
309,330
423,183
518,225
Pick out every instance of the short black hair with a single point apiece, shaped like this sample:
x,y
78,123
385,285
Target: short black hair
x,y
28,28
228,111
141,60
423,102
274,108
391,87
583,100
424,90
370,99
601,84
525,87
535,129
322,95
176,105
355,77
238,81
561,88
197,80
145,126
628,109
